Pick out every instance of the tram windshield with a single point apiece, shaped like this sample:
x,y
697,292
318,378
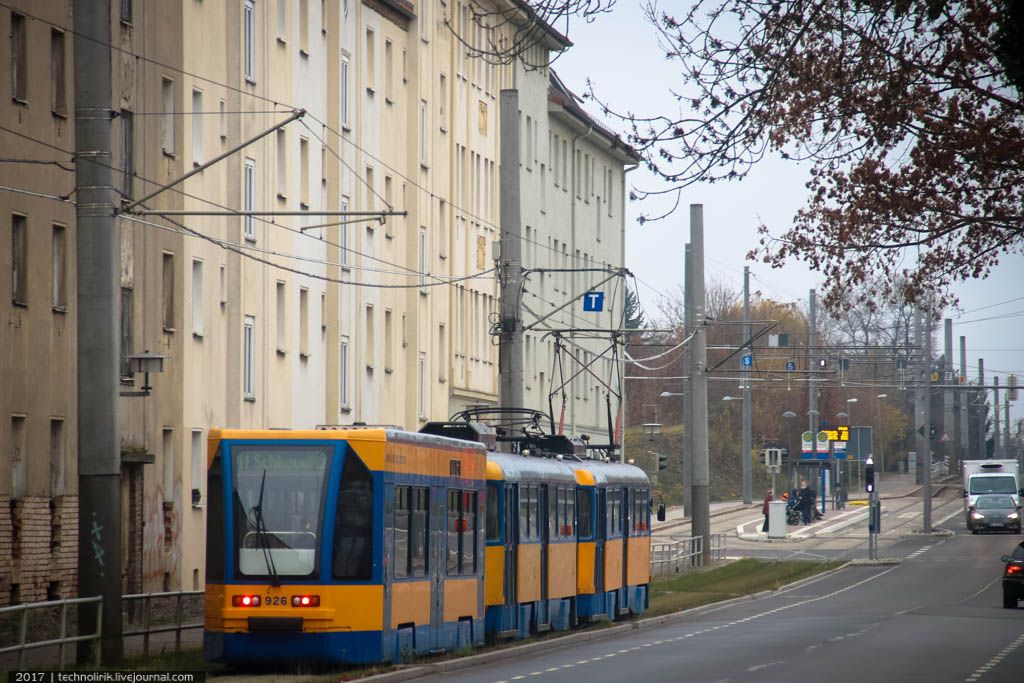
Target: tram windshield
x,y
278,508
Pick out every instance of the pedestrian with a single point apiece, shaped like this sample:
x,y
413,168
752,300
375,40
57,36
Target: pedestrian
x,y
764,508
806,502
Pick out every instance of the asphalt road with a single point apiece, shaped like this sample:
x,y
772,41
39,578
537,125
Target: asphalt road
x,y
935,617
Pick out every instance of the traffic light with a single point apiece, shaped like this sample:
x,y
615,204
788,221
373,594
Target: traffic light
x,y
869,475
662,461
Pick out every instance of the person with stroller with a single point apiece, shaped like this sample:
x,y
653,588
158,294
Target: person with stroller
x,y
805,502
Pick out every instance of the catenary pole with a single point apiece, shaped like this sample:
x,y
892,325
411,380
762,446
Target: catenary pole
x,y
747,484
982,410
926,378
99,343
812,387
510,339
948,442
688,359
700,524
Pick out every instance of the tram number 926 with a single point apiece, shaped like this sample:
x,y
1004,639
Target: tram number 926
x,y
271,600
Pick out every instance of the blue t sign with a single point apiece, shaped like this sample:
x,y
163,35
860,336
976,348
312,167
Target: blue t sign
x,y
593,302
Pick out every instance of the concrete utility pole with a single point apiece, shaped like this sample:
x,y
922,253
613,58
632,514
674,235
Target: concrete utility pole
x,y
926,390
700,518
747,484
812,387
99,342
688,360
982,450
962,399
510,271
948,442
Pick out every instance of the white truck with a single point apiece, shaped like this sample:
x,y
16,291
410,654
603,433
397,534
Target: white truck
x,y
990,476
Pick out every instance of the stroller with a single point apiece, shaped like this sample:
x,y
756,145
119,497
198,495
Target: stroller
x,y
792,511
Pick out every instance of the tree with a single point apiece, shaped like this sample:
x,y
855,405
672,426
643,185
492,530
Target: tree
x,y
634,314
909,112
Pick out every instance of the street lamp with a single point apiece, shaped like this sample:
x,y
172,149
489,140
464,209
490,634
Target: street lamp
x,y
666,394
849,417
145,362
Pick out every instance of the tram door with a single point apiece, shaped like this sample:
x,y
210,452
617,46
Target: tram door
x,y
511,517
544,507
628,496
438,521
601,537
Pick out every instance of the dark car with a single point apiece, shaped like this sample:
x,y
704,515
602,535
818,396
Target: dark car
x,y
1013,577
994,512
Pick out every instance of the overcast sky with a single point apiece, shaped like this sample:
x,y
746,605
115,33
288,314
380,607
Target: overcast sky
x,y
618,52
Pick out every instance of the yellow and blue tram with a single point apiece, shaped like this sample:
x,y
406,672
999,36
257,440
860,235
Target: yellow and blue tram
x,y
360,545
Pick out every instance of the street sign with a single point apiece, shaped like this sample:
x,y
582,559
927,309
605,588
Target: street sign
x,y
944,438
790,366
593,302
748,360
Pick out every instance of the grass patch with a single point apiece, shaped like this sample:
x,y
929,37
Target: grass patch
x,y
743,577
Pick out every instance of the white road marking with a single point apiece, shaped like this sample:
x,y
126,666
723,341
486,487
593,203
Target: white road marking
x,y
996,659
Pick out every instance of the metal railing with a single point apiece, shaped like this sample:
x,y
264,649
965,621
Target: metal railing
x,y
148,628
685,554
63,639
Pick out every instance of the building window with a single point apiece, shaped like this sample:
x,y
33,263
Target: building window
x,y
344,235
167,301
304,322
167,438
442,100
19,457
282,20
343,374
249,31
249,190
223,121
304,26
59,265
388,343
422,260
167,118
389,67
19,58
282,164
370,345
197,297
304,173
127,152
58,456
344,90
425,21
58,80
423,132
248,358
126,11
198,489
371,70
127,333
223,285
282,330
197,127
442,353
368,205
421,387
19,260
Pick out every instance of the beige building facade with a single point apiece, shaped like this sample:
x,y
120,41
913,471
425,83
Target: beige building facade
x,y
304,314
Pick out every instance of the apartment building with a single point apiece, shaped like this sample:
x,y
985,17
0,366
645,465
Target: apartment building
x,y
331,270
38,391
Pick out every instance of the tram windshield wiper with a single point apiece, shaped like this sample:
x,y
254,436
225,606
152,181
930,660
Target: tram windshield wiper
x,y
263,537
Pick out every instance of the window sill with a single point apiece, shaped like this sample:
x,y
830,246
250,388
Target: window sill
x,y
198,336
18,100
251,239
60,309
196,164
345,409
169,155
59,114
282,352
388,371
346,127
389,100
346,269
250,399
304,206
304,52
370,91
250,80
304,357
127,381
282,41
169,330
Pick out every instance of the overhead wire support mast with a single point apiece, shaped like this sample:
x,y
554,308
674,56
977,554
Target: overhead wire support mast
x,y
295,116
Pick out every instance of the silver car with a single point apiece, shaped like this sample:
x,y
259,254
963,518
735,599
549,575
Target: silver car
x,y
994,512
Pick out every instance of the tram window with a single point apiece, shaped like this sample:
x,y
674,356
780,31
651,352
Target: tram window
x,y
584,525
215,523
353,532
570,512
535,512
524,512
553,509
493,526
469,532
401,531
418,530
614,512
454,529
